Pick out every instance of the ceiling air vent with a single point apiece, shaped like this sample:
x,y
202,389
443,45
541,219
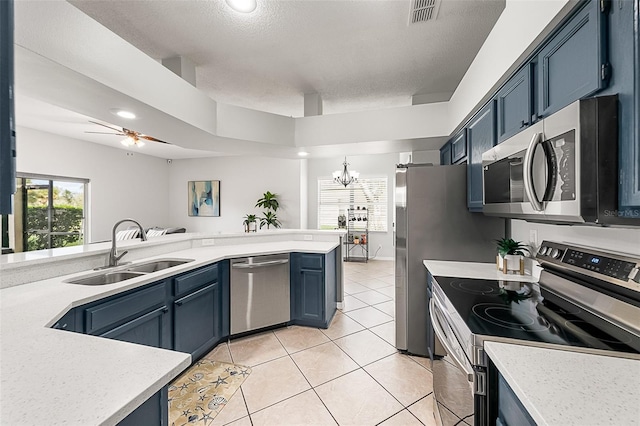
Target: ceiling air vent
x,y
423,10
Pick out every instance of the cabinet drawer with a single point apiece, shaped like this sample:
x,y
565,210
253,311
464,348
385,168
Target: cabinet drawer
x,y
193,280
125,307
311,261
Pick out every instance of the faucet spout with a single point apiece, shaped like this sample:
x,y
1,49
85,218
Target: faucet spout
x,y
113,254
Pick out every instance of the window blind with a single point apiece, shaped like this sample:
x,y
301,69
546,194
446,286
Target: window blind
x,y
334,199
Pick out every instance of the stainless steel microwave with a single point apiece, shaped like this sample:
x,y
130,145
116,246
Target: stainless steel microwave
x,y
562,169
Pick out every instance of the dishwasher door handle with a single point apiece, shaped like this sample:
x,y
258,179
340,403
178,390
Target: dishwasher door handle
x,y
259,265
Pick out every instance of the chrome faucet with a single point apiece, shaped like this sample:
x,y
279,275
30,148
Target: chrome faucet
x,y
113,254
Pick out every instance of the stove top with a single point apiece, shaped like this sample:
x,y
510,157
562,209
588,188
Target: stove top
x,y
524,311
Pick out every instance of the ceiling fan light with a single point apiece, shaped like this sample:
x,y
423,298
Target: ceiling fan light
x,y
128,141
139,143
243,6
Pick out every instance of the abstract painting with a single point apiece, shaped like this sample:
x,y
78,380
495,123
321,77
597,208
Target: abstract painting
x,y
204,198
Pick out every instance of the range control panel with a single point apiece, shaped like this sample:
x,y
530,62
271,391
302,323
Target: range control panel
x,y
620,267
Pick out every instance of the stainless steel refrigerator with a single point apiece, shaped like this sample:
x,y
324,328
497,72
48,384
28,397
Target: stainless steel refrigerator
x,y
433,222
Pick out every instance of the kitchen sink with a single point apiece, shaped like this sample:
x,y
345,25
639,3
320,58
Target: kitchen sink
x,y
158,265
126,273
107,278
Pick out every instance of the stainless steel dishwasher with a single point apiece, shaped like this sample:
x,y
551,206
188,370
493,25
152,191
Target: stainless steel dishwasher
x,y
259,292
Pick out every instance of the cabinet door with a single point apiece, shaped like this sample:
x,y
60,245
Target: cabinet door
x,y
153,412
514,104
310,296
151,329
481,136
197,320
572,65
459,147
445,154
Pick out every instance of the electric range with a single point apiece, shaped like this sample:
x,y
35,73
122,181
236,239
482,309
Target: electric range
x,y
586,300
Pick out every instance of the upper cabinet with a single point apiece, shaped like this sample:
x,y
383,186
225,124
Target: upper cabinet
x,y
459,147
481,136
445,154
573,64
514,104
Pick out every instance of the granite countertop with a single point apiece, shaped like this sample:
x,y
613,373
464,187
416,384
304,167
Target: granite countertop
x,y
484,271
568,388
51,377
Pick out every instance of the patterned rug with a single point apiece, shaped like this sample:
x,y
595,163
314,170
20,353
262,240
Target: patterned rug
x,y
202,391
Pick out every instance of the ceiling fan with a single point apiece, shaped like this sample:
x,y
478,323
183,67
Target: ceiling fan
x,y
131,136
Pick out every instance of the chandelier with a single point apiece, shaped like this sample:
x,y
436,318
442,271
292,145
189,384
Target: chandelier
x,y
343,176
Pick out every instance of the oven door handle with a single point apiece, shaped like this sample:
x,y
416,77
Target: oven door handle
x,y
527,175
443,339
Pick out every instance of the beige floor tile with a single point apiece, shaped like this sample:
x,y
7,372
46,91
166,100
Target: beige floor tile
x,y
423,361
388,291
356,399
364,347
387,331
323,363
296,338
403,418
220,353
272,382
389,279
351,303
369,317
372,297
373,283
304,409
234,410
245,421
341,326
423,410
256,349
388,308
403,378
354,288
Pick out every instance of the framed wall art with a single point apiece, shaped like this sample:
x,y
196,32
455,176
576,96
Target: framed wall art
x,y
204,198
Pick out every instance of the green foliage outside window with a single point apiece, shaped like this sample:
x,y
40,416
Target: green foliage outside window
x,y
66,218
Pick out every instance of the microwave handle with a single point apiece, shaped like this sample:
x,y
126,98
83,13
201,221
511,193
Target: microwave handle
x,y
440,334
527,175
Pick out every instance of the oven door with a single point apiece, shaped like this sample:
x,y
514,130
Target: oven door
x,y
454,378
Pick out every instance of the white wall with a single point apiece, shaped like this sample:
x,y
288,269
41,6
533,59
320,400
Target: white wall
x,y
624,240
243,180
367,166
120,186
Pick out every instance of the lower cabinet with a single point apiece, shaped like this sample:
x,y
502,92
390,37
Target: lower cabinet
x,y
153,412
313,289
150,329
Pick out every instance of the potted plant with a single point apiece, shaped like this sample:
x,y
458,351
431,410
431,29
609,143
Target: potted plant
x,y
269,201
511,255
250,223
269,219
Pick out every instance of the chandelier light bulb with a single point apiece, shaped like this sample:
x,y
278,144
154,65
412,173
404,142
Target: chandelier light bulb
x,y
344,177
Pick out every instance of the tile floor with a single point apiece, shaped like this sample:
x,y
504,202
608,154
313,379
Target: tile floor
x,y
349,374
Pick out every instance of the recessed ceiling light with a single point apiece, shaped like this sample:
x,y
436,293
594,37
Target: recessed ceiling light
x,y
244,6
122,113
303,153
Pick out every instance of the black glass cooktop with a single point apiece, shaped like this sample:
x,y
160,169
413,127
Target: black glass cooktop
x,y
521,311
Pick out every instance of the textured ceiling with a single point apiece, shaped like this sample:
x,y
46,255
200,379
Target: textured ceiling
x,y
357,54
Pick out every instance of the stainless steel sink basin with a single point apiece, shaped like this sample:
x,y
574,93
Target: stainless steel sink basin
x,y
126,273
158,265
107,278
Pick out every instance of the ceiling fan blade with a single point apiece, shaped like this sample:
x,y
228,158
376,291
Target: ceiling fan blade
x,y
152,139
119,130
107,133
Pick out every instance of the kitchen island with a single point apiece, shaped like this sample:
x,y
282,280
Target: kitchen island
x,y
50,376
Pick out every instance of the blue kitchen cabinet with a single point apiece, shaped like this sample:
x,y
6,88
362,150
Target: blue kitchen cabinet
x,y
202,299
445,154
514,103
459,147
573,64
153,412
67,322
481,136
313,289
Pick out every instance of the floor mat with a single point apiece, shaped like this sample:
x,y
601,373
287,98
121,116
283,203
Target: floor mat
x,y
202,391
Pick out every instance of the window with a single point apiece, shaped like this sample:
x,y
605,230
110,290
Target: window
x,y
49,212
334,199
